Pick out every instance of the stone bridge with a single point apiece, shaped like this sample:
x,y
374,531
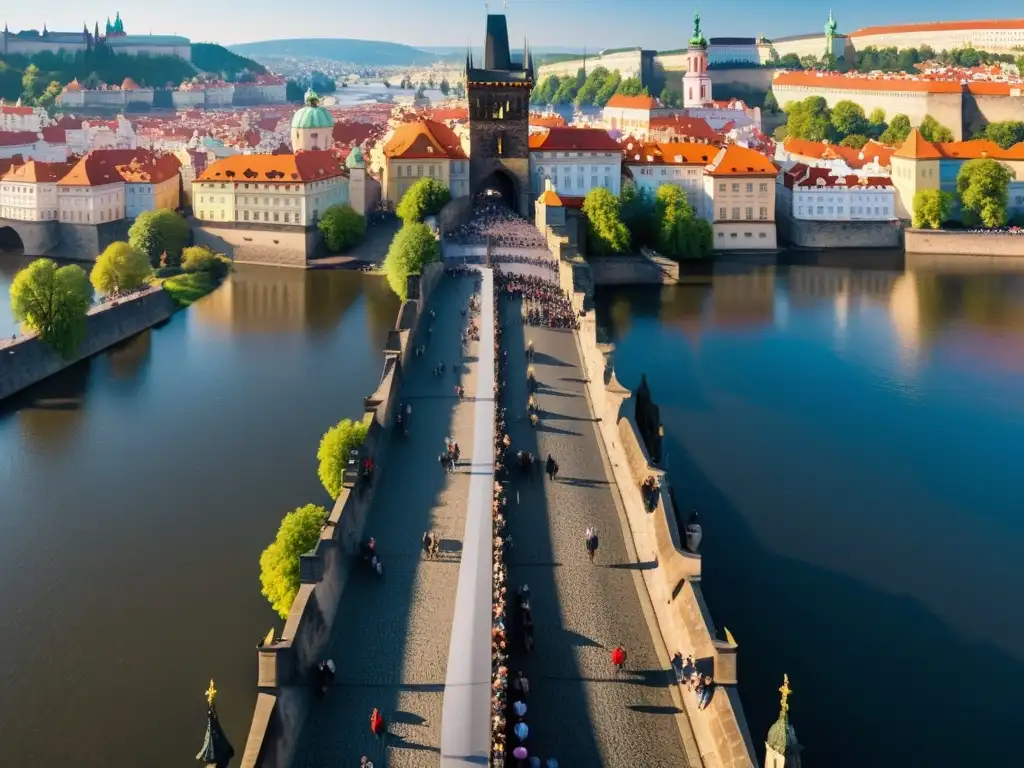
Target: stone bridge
x,y
75,242
34,238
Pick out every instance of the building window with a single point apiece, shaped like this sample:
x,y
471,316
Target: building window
x,y
750,188
736,213
721,213
287,216
749,213
762,212
419,170
245,215
732,234
277,216
748,234
762,234
266,216
735,187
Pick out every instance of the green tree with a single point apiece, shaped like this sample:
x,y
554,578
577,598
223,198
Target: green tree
x,y
854,140
445,87
848,117
896,132
279,563
199,258
671,97
605,231
591,86
636,208
424,198
567,88
335,446
632,86
157,231
679,232
931,208
611,85
771,106
413,248
877,116
53,301
791,61
809,119
984,189
30,83
342,228
49,96
1005,134
933,130
545,92
119,268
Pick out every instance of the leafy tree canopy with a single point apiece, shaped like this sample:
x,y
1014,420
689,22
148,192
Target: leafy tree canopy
x,y
636,207
854,140
984,189
424,198
1005,134
809,119
680,233
896,132
53,301
279,563
199,258
413,248
848,117
342,228
771,105
606,233
933,130
931,208
335,446
119,268
155,232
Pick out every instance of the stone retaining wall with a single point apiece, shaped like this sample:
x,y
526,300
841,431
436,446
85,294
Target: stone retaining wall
x,y
963,243
29,360
286,662
276,245
839,234
683,618
638,269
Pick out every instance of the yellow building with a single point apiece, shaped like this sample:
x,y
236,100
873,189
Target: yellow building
x,y
424,149
270,189
920,164
739,186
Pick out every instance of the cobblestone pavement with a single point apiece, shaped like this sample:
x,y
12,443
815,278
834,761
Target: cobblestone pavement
x,y
580,711
391,636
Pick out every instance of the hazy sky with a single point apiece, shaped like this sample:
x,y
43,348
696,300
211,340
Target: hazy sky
x,y
570,23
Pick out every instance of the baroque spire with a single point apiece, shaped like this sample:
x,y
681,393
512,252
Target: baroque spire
x,y
782,735
217,750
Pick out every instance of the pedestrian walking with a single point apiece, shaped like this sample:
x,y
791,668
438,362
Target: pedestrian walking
x,y
377,726
591,542
618,658
551,467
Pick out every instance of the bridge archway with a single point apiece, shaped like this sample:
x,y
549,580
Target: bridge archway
x,y
11,242
498,187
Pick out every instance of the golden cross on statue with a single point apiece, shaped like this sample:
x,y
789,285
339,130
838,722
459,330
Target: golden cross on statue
x,y
785,690
211,694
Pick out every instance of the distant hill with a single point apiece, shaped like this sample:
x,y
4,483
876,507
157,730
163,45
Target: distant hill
x,y
363,52
208,57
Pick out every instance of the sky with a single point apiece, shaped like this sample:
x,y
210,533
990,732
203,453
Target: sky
x,y
568,24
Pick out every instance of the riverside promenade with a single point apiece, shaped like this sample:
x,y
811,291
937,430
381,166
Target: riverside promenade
x,y
580,710
393,636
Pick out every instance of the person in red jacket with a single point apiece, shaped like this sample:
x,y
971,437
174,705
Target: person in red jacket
x,y
619,657
376,723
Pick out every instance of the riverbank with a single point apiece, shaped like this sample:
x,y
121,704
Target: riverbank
x,y
28,360
959,243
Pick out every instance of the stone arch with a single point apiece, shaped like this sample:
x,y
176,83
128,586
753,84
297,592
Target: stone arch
x,y
498,186
11,241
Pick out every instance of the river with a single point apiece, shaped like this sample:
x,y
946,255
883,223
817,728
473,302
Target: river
x,y
852,440
137,490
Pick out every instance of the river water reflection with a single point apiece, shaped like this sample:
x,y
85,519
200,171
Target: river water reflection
x,y
137,490
852,440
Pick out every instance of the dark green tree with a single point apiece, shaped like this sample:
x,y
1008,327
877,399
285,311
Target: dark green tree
x,y
671,97
983,187
636,208
606,233
155,232
632,86
931,208
854,140
809,119
445,87
1005,134
424,198
771,106
680,234
848,117
52,301
896,132
933,130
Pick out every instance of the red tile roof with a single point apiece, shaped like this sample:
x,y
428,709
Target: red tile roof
x,y
349,132
129,85
9,110
574,139
99,167
619,101
822,177
678,153
917,147
447,113
862,83
547,121
735,160
551,199
17,138
692,127
280,169
151,170
424,139
32,171
940,26
855,158
6,163
54,134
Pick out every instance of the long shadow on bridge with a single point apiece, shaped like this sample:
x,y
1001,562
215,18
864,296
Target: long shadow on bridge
x,y
391,635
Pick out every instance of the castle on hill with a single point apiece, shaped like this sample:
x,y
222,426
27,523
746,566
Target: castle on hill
x,y
29,42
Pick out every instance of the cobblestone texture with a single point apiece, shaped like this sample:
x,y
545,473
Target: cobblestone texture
x,y
391,636
579,710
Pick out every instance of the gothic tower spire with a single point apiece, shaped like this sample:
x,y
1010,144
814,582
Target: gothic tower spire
x,y
782,750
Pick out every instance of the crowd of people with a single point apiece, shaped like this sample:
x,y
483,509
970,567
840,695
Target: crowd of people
x,y
500,226
546,263
702,686
544,302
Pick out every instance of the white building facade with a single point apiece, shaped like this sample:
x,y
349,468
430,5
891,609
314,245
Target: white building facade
x,y
18,118
681,165
29,192
821,194
575,160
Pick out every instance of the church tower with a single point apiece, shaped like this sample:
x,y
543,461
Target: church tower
x,y
781,749
696,81
499,120
831,27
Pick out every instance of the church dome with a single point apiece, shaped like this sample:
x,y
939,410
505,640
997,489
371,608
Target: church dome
x,y
312,115
355,159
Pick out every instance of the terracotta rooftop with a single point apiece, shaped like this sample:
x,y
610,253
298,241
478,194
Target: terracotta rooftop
x,y
855,158
619,101
33,171
281,169
99,167
17,138
823,177
917,147
422,140
734,160
941,26
152,170
863,83
547,121
14,110
693,127
677,153
574,139
551,199
129,85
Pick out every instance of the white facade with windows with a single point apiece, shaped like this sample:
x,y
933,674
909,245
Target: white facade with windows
x,y
574,173
820,194
91,204
648,176
143,196
286,203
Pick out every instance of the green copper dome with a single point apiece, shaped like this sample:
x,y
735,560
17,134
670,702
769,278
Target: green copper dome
x,y
355,159
312,115
697,38
782,735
